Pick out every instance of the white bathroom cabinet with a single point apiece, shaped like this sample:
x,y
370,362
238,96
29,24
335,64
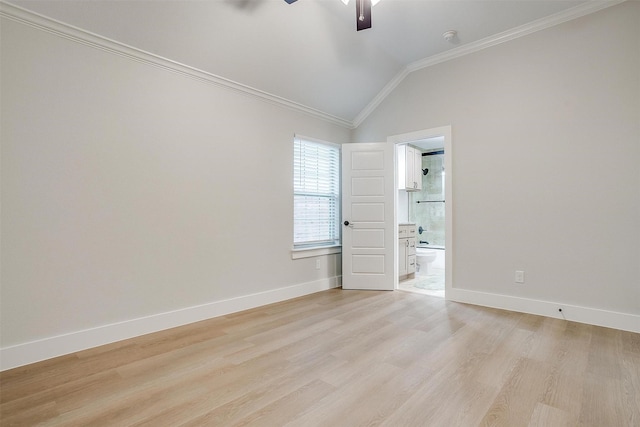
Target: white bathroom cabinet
x,y
409,168
406,250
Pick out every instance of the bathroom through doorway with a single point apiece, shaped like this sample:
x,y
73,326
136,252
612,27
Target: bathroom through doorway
x,y
423,207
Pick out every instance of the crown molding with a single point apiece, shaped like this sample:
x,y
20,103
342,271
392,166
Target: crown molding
x,y
505,36
87,38
377,100
514,33
60,29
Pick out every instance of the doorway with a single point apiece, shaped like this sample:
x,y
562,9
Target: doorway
x,y
428,209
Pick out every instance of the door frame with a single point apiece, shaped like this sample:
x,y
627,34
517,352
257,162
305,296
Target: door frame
x,y
405,138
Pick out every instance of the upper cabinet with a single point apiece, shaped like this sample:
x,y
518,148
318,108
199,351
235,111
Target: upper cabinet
x,y
409,168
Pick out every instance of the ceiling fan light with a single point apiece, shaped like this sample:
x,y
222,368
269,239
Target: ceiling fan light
x,y
346,2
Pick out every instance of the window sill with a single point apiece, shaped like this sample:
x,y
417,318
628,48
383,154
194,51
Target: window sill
x,y
312,252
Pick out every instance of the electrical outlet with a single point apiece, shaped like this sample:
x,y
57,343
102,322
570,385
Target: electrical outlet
x,y
317,264
519,276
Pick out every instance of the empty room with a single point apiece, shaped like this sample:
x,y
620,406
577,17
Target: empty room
x,y
434,219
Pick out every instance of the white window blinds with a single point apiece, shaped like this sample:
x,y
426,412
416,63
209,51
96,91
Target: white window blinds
x,y
316,193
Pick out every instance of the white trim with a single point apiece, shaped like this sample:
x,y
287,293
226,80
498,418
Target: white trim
x,y
47,348
591,316
87,38
78,35
317,141
446,133
514,33
377,100
505,36
299,253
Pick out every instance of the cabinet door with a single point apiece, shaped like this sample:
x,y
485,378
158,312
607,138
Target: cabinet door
x,y
411,264
417,169
409,168
410,165
401,151
402,256
411,247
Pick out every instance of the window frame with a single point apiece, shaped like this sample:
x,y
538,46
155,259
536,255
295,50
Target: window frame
x,y
315,248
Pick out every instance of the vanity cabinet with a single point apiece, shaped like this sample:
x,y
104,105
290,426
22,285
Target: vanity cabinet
x,y
409,168
406,250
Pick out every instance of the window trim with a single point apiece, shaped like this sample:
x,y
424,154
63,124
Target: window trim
x,y
330,247
310,252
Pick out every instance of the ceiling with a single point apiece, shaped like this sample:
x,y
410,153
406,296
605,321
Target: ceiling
x,y
308,52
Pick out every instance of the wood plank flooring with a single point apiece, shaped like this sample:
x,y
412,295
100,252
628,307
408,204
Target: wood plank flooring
x,y
342,358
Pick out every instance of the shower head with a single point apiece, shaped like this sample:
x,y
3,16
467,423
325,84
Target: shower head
x,y
425,171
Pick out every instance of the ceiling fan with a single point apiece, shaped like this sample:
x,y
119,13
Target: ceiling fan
x,y
363,12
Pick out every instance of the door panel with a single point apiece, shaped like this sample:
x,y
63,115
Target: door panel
x,y
367,238
367,161
368,264
367,214
367,186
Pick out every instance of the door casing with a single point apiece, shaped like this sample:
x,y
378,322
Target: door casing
x,y
443,131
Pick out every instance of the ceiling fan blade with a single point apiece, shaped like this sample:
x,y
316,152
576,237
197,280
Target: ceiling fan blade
x,y
363,14
290,1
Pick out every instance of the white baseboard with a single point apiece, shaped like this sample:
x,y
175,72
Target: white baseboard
x,y
47,348
592,316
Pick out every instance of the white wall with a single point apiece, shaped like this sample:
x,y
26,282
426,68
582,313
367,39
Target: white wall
x,y
546,148
129,191
135,198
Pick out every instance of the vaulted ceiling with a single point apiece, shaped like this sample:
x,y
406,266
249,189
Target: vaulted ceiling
x,y
308,52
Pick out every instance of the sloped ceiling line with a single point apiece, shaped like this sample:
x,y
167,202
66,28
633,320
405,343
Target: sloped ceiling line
x,y
78,35
514,33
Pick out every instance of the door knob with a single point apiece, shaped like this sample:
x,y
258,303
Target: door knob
x,y
346,223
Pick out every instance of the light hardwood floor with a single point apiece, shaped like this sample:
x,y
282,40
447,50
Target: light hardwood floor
x,y
342,358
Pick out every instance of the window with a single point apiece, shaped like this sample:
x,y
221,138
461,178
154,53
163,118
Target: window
x,y
316,193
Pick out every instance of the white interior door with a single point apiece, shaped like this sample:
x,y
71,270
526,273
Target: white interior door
x,y
368,243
